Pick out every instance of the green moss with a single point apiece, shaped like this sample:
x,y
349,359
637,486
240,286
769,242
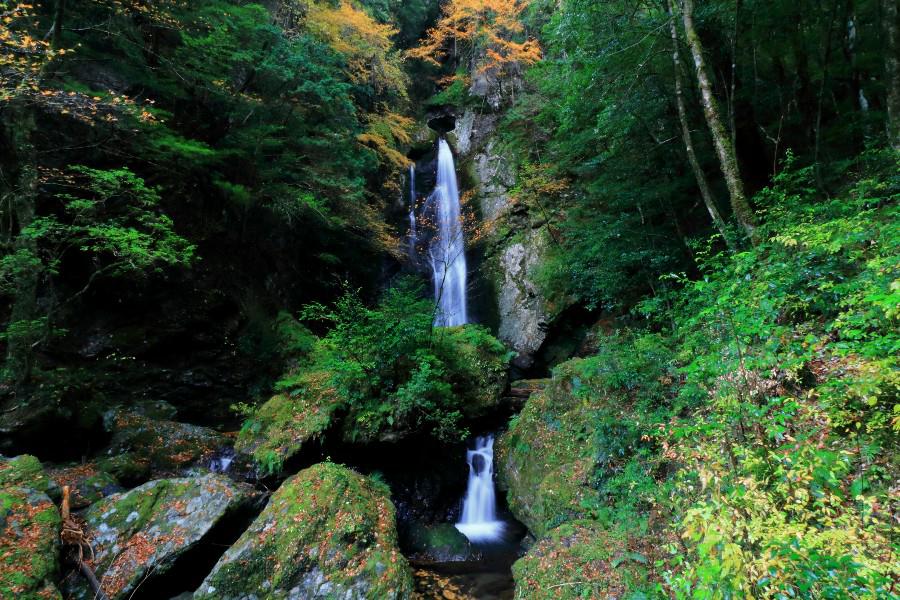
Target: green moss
x,y
327,531
280,427
29,544
24,470
442,542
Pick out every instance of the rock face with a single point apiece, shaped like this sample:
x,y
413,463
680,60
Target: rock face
x,y
29,544
143,531
328,532
516,241
523,317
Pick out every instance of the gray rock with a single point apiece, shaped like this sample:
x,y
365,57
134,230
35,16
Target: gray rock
x,y
142,532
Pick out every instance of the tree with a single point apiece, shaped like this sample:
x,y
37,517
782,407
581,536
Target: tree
x,y
702,183
486,34
892,69
110,216
721,139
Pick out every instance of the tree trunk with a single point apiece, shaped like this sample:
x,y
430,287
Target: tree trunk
x,y
721,140
700,176
892,69
23,194
58,15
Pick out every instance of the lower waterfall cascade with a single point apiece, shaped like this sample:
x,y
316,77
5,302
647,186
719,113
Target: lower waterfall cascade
x,y
479,520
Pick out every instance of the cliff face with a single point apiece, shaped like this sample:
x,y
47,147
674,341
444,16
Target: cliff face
x,y
515,241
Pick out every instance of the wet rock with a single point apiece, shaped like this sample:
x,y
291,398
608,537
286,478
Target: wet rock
x,y
440,542
88,484
144,447
29,544
328,532
140,533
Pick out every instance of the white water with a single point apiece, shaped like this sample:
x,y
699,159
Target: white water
x,y
413,234
448,257
479,516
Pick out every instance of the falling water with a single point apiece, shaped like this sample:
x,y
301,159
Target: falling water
x,y
448,258
413,235
479,516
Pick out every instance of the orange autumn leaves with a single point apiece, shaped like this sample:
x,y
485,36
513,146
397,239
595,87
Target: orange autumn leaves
x,y
489,32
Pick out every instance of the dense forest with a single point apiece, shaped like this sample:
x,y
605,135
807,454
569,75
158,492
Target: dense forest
x,y
451,299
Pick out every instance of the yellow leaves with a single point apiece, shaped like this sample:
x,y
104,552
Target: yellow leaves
x,y
488,29
365,43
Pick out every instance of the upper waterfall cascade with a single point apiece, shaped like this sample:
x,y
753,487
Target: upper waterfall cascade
x,y
447,253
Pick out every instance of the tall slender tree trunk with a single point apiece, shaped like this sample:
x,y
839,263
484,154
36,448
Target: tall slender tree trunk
x,y
721,140
23,193
699,175
892,69
58,15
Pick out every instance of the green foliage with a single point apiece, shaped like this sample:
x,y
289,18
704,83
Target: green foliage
x,y
746,447
382,371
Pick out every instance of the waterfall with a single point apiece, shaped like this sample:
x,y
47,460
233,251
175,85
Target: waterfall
x,y
479,516
413,235
448,258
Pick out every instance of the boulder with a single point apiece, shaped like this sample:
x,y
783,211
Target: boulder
x,y
546,458
143,447
441,542
88,484
25,471
29,544
327,532
142,532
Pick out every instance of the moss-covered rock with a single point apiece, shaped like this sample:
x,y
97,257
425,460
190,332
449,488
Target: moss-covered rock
x,y
143,447
579,560
441,542
24,471
87,483
546,459
143,531
281,426
327,532
29,544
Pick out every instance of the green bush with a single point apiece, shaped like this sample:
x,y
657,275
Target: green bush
x,y
383,372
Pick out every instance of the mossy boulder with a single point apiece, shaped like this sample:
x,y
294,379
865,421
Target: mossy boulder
x,y
25,471
88,484
29,544
327,532
546,458
579,559
142,532
143,447
281,426
441,542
